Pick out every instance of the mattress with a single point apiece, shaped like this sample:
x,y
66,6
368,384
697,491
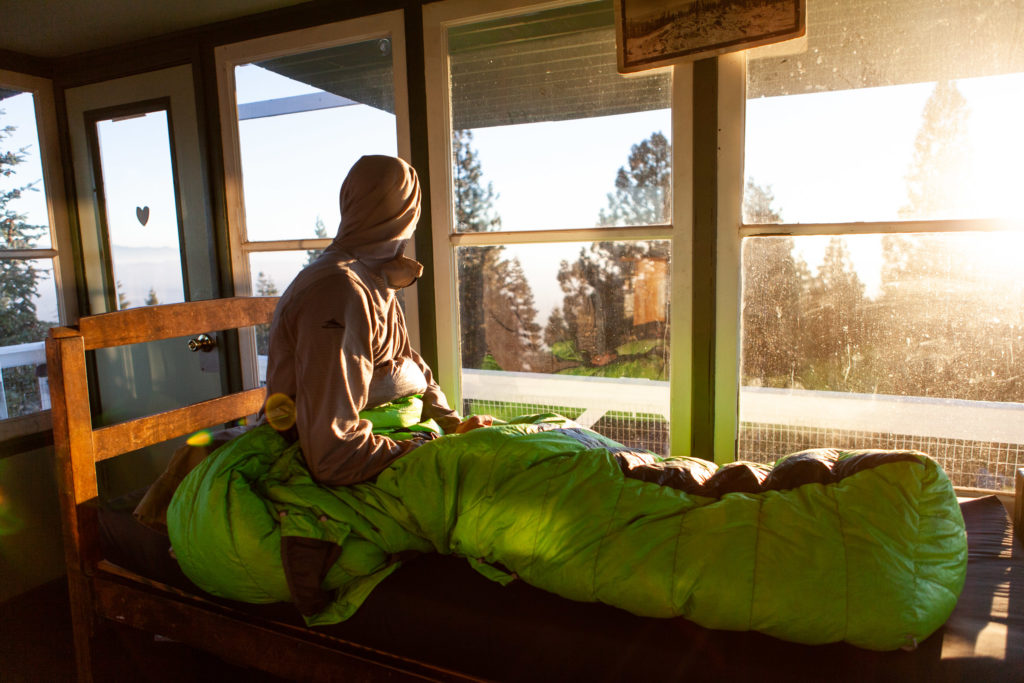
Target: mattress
x,y
438,609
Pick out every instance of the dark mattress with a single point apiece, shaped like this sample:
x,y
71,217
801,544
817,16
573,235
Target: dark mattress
x,y
439,610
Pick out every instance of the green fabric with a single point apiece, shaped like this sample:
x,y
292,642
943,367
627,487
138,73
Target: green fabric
x,y
876,559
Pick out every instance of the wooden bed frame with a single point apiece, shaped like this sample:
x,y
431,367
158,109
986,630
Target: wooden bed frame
x,y
103,594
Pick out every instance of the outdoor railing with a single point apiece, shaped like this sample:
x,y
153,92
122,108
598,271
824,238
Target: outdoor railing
x,y
921,416
979,443
19,355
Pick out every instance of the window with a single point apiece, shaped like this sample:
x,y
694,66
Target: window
x,y
298,110
141,216
554,220
886,146
32,237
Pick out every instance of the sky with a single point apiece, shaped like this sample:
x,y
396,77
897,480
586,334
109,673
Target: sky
x,y
826,157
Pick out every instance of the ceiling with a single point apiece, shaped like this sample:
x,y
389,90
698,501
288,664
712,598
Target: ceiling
x,y
59,28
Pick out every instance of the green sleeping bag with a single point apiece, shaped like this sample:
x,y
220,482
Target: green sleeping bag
x,y
876,558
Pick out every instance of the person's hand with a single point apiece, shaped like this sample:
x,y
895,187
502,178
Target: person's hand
x,y
474,422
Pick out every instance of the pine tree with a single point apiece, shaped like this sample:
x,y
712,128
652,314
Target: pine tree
x,y
151,299
643,191
596,323
758,204
264,287
942,325
321,231
19,284
774,284
474,212
511,331
938,183
835,324
122,299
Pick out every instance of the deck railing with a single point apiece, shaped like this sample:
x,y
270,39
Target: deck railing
x,y
980,443
19,355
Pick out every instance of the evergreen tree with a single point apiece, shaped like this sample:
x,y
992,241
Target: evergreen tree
x,y
943,325
758,204
151,299
264,287
834,325
321,232
512,334
496,305
122,300
474,212
19,284
594,329
913,355
938,183
643,188
775,281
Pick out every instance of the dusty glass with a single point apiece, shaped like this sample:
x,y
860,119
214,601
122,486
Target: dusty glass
x,y
547,134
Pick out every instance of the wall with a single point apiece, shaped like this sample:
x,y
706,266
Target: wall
x,y
31,549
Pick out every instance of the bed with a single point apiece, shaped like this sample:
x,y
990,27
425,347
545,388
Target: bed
x,y
436,618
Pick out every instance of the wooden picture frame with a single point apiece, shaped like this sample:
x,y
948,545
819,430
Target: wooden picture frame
x,y
655,33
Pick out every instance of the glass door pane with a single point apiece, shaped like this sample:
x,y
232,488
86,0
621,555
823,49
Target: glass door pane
x,y
140,205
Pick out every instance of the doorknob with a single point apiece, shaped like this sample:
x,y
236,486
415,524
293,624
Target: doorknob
x,y
201,343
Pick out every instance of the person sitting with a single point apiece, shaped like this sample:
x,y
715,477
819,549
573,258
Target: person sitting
x,y
338,339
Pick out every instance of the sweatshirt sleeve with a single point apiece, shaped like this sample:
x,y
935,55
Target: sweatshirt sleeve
x,y
334,367
435,403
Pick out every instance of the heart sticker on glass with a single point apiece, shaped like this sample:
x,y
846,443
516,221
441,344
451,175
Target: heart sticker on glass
x,y
142,213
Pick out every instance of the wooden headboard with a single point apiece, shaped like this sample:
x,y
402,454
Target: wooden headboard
x,y
104,596
78,446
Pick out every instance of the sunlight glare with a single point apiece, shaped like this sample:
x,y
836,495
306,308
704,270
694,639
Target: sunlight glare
x,y
201,438
280,411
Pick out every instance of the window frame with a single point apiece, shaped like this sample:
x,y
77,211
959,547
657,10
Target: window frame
x,y
732,230
60,251
437,19
227,57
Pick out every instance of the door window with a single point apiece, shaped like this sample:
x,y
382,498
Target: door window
x,y
140,208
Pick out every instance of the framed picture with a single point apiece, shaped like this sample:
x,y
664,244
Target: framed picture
x,y
653,33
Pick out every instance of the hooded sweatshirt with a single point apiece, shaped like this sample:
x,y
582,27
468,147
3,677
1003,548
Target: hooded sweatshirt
x,y
338,340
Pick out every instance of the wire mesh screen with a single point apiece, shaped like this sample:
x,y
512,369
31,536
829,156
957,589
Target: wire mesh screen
x,y
977,464
969,463
635,430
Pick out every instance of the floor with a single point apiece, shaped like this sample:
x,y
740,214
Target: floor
x,y
36,646
35,636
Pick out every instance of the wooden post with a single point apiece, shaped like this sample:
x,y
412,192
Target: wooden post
x,y
76,479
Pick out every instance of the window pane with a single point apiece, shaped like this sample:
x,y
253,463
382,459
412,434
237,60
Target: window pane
x,y
890,341
303,121
580,329
881,115
545,126
22,192
141,209
28,308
